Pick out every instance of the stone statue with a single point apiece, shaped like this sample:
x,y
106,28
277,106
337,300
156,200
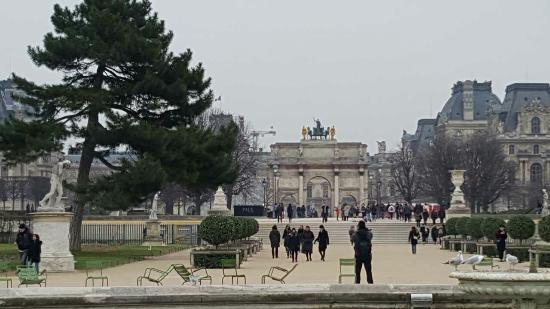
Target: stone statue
x,y
381,146
154,207
545,211
301,151
500,127
309,133
53,198
332,133
304,132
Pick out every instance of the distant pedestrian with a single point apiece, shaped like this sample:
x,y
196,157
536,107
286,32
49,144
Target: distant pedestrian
x,y
434,216
34,252
323,241
275,240
286,238
324,213
391,211
23,241
280,213
294,245
289,213
351,231
425,215
418,218
362,244
307,243
441,215
413,238
435,234
501,237
337,211
424,232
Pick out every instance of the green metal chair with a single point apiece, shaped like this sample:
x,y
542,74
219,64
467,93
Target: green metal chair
x,y
154,275
189,276
94,271
229,270
4,269
27,275
280,278
346,263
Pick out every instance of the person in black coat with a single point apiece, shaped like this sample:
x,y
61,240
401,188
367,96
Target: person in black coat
x,y
413,238
435,233
275,240
362,240
294,245
307,242
286,237
501,237
23,241
290,212
324,213
34,251
323,241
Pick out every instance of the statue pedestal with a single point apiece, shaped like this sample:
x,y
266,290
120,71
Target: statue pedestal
x,y
53,228
153,238
220,204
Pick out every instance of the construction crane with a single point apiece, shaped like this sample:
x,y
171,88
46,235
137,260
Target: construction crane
x,y
257,134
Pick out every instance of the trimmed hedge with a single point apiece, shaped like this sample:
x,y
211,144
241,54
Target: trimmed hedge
x,y
474,228
521,227
218,230
450,226
490,227
461,226
544,228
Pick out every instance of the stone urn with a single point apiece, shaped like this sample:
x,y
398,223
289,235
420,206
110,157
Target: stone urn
x,y
457,207
219,206
529,291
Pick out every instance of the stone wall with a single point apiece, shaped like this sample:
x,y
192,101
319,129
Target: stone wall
x,y
260,296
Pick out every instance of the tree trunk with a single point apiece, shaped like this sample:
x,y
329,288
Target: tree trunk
x,y
229,198
169,208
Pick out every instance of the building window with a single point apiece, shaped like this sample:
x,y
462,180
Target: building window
x,y
536,173
309,191
511,149
535,125
325,191
536,149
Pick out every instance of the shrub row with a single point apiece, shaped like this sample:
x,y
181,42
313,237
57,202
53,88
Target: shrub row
x,y
519,227
218,230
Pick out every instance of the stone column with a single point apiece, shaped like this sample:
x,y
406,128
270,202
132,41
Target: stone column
x,y
361,185
523,171
336,187
53,228
547,172
301,186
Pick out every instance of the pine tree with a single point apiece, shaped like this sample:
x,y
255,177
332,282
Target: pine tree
x,y
120,86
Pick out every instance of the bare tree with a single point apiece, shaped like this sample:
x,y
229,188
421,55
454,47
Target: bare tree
x,y
404,173
171,194
198,197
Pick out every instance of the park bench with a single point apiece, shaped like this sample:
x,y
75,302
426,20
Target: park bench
x,y
229,270
154,275
345,263
280,279
487,261
27,275
4,269
189,276
94,271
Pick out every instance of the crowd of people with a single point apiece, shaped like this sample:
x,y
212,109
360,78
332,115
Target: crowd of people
x,y
298,240
28,246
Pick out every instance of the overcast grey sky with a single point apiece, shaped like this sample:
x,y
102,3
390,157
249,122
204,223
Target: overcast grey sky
x,y
370,68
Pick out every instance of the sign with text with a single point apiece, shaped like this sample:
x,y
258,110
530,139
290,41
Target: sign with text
x,y
249,210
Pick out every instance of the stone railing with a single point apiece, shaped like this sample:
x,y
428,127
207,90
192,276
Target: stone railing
x,y
341,296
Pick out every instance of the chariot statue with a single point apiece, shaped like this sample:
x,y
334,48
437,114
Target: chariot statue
x,y
318,131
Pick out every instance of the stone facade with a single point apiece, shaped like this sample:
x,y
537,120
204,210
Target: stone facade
x,y
319,172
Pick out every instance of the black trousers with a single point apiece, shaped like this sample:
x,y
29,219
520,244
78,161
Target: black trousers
x,y
501,248
368,268
275,252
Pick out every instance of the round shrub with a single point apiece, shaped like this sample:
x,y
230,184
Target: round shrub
x,y
544,228
217,230
461,226
521,227
450,226
490,227
474,228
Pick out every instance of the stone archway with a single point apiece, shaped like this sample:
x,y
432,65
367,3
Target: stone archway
x,y
318,193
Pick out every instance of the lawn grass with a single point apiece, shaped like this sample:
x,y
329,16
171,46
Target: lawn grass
x,y
109,256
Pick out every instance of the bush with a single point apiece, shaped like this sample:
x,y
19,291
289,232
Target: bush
x,y
461,226
521,227
474,228
217,230
490,227
450,226
544,228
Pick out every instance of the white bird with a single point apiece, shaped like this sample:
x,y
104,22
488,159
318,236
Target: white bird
x,y
512,260
473,260
457,260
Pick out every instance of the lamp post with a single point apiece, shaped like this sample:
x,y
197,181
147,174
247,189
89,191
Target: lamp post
x,y
378,185
264,185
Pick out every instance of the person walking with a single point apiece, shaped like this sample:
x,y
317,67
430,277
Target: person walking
x,y
425,215
337,211
323,240
441,215
307,243
501,237
362,245
23,241
275,240
424,232
286,238
391,211
434,216
294,245
351,231
435,234
413,238
280,213
289,213
34,252
418,218
324,213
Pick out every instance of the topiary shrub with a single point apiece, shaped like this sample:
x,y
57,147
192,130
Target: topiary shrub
x,y
544,228
521,227
450,226
474,228
217,230
461,226
490,227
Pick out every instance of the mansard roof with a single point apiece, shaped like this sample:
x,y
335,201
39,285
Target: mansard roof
x,y
521,95
484,99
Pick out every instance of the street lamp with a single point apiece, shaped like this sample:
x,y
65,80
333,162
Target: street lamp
x,y
264,185
378,185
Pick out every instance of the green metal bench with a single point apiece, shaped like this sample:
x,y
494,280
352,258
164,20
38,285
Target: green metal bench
x,y
229,270
27,275
154,275
487,261
94,271
4,269
345,263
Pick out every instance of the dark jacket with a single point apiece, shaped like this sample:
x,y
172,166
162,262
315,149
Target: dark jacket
x,y
441,213
307,241
300,234
275,238
293,242
24,240
501,237
413,237
322,239
289,212
35,250
362,244
435,233
286,236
